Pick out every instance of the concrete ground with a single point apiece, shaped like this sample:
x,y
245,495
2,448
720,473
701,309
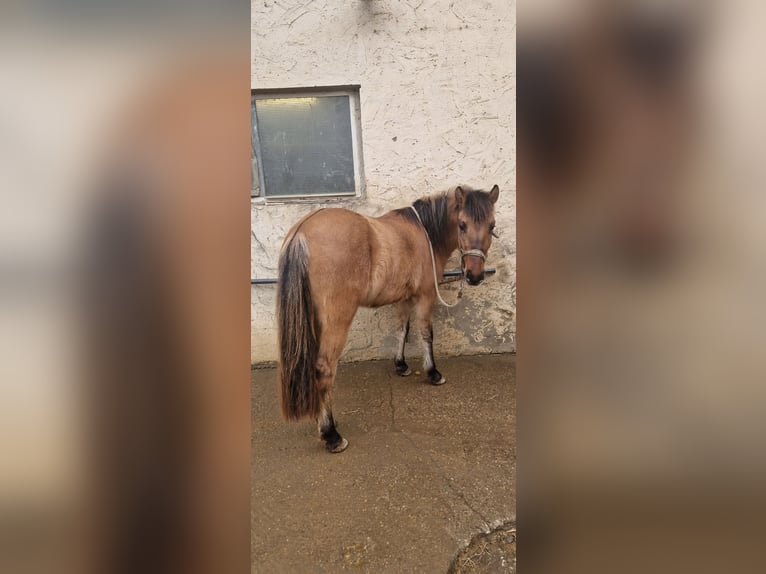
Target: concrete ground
x,y
427,468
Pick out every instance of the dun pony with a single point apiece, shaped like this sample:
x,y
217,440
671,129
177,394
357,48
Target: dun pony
x,y
334,261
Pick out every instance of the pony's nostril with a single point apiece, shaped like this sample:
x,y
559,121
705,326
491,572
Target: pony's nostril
x,y
474,278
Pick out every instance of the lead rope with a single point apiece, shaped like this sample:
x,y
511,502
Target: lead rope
x,y
433,266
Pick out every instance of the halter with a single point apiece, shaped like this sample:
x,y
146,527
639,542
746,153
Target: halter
x,y
474,252
463,255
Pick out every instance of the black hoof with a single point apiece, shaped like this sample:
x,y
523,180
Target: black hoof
x,y
435,377
340,446
333,441
402,369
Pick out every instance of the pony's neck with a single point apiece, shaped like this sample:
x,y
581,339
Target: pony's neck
x,y
438,214
450,230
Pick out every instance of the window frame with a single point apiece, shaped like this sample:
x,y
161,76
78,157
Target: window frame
x,y
352,92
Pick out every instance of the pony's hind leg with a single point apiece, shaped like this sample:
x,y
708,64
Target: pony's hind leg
x,y
402,335
425,325
330,347
326,425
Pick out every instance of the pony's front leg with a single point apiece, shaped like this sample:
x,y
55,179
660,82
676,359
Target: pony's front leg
x,y
403,308
425,311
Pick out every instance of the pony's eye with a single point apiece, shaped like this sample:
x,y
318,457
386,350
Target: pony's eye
x,y
492,231
463,227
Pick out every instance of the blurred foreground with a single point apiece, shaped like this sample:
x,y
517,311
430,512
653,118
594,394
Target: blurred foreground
x,y
124,360
641,281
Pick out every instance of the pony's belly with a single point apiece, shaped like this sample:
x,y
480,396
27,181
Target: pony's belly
x,y
375,303
387,294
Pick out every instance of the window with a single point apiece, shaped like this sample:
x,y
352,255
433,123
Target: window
x,y
306,143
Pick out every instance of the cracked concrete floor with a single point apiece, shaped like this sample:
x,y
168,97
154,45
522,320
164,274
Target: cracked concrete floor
x,y
426,469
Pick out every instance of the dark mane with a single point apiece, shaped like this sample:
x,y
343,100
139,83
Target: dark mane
x,y
477,205
434,214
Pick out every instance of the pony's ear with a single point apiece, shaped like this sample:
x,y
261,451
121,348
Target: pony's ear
x,y
459,196
494,193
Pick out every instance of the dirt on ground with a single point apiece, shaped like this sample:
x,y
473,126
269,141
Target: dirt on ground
x,y
429,471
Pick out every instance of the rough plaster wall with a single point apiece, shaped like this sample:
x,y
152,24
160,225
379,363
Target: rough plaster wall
x,y
438,92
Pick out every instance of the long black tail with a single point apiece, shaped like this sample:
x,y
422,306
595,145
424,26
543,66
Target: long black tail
x,y
298,334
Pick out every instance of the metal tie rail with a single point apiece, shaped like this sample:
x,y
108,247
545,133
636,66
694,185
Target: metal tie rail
x,y
447,277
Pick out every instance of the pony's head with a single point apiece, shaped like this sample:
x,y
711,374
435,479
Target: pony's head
x,y
476,227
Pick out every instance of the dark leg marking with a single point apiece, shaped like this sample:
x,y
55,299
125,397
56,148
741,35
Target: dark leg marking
x,y
434,376
330,435
401,365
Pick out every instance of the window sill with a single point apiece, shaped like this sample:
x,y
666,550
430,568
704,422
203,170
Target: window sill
x,y
271,200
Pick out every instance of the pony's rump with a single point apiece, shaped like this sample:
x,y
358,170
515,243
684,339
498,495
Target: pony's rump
x,y
298,334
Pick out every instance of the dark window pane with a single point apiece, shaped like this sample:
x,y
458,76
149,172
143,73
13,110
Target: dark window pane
x,y
305,145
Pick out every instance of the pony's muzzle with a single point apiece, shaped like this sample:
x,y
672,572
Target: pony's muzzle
x,y
473,265
474,278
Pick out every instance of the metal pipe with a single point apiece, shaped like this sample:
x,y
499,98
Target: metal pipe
x,y
450,273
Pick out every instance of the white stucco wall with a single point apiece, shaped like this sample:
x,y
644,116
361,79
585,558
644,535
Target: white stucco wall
x,y
438,92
